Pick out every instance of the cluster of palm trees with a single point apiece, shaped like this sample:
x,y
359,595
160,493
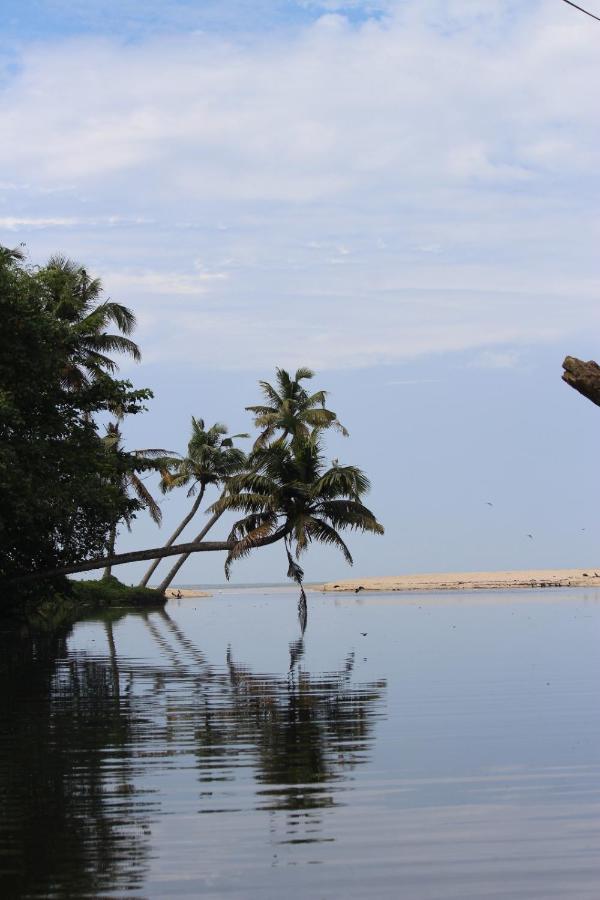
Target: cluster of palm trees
x,y
282,490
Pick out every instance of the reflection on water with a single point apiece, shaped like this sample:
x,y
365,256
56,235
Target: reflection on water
x,y
417,747
71,822
81,735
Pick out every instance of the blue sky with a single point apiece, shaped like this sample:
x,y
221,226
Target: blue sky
x,y
402,195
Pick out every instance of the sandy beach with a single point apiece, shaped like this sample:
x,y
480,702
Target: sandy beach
x,y
469,581
179,593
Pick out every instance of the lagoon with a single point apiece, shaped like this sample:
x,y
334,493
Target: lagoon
x,y
428,746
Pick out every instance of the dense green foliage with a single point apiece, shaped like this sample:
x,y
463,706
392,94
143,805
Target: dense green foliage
x,y
107,592
59,488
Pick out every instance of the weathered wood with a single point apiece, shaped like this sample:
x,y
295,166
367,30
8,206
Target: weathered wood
x,y
583,376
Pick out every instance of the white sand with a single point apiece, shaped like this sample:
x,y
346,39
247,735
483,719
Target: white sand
x,y
469,581
186,592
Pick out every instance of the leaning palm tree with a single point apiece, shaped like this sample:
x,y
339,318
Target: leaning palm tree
x,y
211,458
291,410
290,490
75,298
131,482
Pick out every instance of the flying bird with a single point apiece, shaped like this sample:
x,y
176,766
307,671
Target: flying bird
x,y
488,503
530,536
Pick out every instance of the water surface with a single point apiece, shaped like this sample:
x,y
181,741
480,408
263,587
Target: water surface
x,y
419,746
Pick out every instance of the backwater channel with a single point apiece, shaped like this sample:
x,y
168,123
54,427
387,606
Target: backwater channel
x,y
419,746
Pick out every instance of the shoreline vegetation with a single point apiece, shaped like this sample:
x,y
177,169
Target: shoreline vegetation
x,y
470,581
70,484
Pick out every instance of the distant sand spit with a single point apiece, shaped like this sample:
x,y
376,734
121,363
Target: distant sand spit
x,y
471,581
178,593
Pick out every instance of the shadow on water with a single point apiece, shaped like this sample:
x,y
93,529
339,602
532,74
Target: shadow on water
x,y
88,741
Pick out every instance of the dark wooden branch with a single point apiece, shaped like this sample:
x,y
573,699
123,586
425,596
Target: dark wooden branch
x,y
119,559
584,377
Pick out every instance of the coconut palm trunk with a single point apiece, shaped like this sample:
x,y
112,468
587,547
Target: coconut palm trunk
x,y
112,540
175,535
185,556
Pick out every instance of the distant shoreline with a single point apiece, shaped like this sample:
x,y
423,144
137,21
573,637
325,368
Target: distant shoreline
x,y
471,581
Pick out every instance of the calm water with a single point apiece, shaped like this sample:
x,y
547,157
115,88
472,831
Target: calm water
x,y
412,747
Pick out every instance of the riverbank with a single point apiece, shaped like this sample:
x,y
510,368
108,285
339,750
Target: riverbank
x,y
471,581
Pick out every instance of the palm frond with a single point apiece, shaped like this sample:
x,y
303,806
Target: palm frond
x,y
325,534
303,373
146,498
244,546
348,514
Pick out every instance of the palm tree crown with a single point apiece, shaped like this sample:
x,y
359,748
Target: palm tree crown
x,y
211,458
140,461
290,491
74,298
291,410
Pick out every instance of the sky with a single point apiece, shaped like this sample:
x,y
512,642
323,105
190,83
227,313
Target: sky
x,y
402,195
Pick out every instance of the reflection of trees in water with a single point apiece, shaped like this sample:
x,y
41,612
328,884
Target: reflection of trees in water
x,y
79,729
301,733
69,826
308,730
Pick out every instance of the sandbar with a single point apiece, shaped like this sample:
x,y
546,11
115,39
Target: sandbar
x,y
471,581
177,593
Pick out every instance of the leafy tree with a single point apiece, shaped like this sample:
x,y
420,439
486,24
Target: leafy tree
x,y
291,410
59,489
75,299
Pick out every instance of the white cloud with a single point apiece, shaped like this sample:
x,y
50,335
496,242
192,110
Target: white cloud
x,y
357,193
20,223
169,283
496,359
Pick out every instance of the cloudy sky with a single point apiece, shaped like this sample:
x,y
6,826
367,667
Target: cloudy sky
x,y
400,194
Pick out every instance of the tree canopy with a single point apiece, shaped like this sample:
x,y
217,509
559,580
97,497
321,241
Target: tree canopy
x,y
59,488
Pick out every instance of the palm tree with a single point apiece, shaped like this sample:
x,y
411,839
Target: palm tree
x,y
131,483
211,458
290,490
291,410
74,298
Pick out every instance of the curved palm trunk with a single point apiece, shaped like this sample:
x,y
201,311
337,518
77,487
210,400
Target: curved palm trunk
x,y
185,556
119,559
175,535
111,550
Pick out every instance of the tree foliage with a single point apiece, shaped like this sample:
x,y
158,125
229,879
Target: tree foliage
x,y
59,488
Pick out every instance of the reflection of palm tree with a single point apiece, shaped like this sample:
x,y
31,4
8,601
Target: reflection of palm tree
x,y
309,731
303,731
90,726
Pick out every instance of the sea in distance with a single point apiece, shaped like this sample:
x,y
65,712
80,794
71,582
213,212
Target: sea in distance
x,y
421,746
